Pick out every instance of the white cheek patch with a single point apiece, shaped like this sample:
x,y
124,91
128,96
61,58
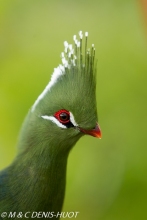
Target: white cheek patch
x,y
73,120
54,120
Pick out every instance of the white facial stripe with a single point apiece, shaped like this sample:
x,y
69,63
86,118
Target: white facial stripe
x,y
54,120
73,120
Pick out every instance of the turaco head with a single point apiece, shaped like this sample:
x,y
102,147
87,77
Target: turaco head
x,y
67,108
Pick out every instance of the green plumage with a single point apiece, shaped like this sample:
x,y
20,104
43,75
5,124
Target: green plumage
x,y
35,181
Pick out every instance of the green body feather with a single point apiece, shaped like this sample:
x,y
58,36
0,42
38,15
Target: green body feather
x,y
35,181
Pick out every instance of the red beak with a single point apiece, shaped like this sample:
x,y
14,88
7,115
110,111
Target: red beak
x,y
96,132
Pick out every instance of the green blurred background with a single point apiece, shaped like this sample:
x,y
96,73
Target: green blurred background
x,y
107,178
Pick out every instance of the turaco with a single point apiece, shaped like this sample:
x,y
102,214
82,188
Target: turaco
x,y
64,112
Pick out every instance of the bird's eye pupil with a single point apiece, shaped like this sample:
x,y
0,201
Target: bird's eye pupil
x,y
64,116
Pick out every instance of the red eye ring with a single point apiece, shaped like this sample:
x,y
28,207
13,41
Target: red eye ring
x,y
63,116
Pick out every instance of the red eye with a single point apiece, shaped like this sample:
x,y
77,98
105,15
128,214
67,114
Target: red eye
x,y
63,116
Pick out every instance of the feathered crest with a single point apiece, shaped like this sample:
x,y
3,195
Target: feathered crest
x,y
74,57
73,60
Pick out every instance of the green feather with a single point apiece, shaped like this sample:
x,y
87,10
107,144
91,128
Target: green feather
x,y
35,181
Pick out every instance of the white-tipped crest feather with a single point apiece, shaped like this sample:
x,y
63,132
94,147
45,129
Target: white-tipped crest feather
x,y
70,57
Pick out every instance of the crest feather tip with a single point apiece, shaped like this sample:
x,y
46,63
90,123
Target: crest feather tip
x,y
86,34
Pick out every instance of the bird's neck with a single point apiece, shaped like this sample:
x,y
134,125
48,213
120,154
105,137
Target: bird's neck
x,y
44,179
41,172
